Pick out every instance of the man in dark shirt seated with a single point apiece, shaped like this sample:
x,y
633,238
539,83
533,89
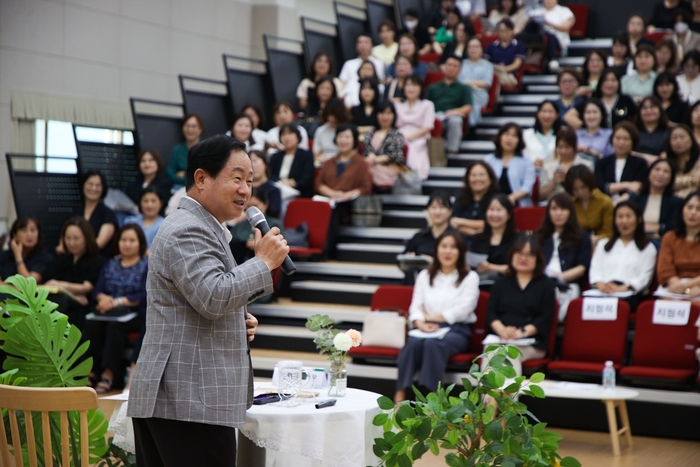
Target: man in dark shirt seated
x,y
507,53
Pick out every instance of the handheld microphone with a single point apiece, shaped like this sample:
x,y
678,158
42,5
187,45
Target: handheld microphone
x,y
257,219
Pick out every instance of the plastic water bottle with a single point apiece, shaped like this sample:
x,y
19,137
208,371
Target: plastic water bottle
x,y
609,375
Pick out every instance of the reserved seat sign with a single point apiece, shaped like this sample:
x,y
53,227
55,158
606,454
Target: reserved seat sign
x,y
599,309
671,312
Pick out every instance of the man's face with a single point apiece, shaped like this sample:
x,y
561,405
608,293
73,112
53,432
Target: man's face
x,y
226,195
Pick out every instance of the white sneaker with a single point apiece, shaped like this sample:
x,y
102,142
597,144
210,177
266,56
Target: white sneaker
x,y
554,66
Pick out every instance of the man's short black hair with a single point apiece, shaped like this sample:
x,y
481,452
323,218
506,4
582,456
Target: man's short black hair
x,y
210,155
453,57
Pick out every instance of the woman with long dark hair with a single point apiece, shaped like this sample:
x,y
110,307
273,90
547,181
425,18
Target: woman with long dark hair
x,y
325,92
624,262
445,294
660,207
667,90
294,166
151,174
321,65
515,172
496,239
469,212
540,140
678,267
26,255
591,71
666,57
364,115
684,153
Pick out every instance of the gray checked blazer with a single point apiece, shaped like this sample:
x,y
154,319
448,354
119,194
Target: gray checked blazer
x,y
194,364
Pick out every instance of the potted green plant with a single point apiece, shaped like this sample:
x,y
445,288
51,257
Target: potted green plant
x,y
485,425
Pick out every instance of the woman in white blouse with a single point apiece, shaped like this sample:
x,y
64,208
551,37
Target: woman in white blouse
x,y
540,140
445,294
624,262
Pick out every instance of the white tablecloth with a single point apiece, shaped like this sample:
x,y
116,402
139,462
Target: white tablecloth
x,y
338,436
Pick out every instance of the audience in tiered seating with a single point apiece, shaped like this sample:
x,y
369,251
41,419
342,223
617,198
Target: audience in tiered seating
x,y
282,113
593,208
554,171
458,46
678,268
75,271
640,82
415,118
622,173
689,82
413,26
151,204
497,238
664,14
624,262
666,57
507,53
26,255
334,115
591,71
242,242
93,189
260,179
684,152
569,81
387,50
557,21
594,135
293,166
514,170
477,73
383,149
666,88
120,289
469,211
151,174
192,129
522,304
408,47
652,124
566,248
511,10
619,107
351,73
322,65
445,294
660,207
446,32
540,140
364,115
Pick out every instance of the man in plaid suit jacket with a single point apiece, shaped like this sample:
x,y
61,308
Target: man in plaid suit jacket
x,y
193,379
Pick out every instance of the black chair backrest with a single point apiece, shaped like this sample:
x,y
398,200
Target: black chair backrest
x,y
377,12
424,8
209,98
320,36
50,197
157,125
248,83
117,162
285,66
352,21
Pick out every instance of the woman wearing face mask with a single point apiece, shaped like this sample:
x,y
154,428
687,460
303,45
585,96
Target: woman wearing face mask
x,y
593,67
477,73
294,166
622,173
684,153
554,171
150,219
469,212
652,124
667,90
383,149
594,137
624,262
618,107
261,180
689,81
660,207
192,129
26,255
496,239
683,38
640,84
151,174
540,140
514,171
364,115
593,208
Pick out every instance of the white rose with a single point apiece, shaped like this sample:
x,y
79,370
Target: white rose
x,y
342,342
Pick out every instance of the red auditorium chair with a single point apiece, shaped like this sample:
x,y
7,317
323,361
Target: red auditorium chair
x,y
476,347
437,129
494,91
317,215
656,36
580,11
488,39
433,77
529,217
661,353
385,297
587,345
430,57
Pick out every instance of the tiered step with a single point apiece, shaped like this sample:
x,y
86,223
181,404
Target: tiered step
x,y
350,293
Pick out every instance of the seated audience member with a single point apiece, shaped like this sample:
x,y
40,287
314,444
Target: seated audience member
x,y
101,218
640,83
667,90
394,90
619,60
192,129
566,248
260,179
471,10
75,271
352,91
383,148
593,208
695,21
666,57
294,166
255,114
415,118
413,27
511,10
408,47
496,239
345,176
243,237
350,73
151,174
514,171
324,93
322,66
664,14
678,267
446,33
594,135
334,115
120,289
282,113
622,173
656,201
689,81
242,130
478,74
458,47
540,140
624,262
522,304
364,115
684,153
453,103
683,38
652,124
507,53
591,71
386,51
569,82
554,170
26,255
469,211
445,294
618,107
150,205
636,26
558,21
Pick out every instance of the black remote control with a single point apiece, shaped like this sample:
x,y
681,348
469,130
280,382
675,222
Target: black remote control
x,y
326,403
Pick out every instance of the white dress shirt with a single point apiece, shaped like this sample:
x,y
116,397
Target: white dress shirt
x,y
456,303
624,263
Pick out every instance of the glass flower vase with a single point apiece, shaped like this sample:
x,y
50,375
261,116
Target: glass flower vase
x,y
338,378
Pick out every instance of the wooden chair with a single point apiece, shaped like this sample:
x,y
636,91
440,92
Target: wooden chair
x,y
45,400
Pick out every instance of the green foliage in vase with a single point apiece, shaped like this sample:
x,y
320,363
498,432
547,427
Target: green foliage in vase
x,y
485,425
323,326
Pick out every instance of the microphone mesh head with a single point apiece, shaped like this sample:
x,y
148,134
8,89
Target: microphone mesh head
x,y
255,216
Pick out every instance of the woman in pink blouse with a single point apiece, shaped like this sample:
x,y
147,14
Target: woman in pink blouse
x,y
415,118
